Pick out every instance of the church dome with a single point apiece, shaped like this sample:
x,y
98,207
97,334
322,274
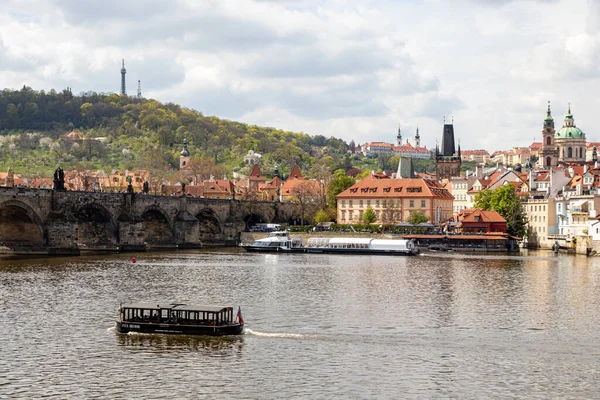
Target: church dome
x,y
569,132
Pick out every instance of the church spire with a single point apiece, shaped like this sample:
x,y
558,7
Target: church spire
x,y
399,137
549,121
569,121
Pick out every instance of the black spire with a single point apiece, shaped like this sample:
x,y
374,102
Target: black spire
x,y
448,148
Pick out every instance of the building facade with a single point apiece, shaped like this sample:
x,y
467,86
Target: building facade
x,y
393,200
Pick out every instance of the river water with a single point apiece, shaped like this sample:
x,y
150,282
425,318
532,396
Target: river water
x,y
317,326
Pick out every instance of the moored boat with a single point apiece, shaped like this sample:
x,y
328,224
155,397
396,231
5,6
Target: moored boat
x,y
179,319
281,242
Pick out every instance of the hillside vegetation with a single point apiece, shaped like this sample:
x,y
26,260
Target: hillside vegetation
x,y
125,133
40,131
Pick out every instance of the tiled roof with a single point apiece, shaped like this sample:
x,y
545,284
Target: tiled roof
x,y
415,187
295,173
479,215
256,175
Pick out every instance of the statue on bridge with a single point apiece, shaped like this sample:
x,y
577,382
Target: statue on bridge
x,y
129,185
10,178
59,179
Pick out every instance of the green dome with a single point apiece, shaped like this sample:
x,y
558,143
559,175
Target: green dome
x,y
569,132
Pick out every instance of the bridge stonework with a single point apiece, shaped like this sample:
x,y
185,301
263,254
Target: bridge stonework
x,y
42,221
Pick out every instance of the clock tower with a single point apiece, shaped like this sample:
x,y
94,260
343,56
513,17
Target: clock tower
x,y
549,152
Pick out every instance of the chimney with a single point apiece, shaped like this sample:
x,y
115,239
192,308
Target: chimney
x,y
478,171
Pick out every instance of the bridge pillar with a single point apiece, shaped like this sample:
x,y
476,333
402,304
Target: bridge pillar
x,y
187,227
61,235
131,236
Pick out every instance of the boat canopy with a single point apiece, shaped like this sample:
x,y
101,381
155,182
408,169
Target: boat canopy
x,y
175,306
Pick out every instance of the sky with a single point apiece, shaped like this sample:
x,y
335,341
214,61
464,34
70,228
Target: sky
x,y
355,70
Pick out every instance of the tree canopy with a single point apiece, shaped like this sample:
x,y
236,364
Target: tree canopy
x,y
505,201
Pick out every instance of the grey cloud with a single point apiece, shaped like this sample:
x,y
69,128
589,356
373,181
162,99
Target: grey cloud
x,y
314,62
79,12
436,107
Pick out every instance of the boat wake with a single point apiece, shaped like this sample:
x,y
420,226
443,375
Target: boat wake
x,y
248,331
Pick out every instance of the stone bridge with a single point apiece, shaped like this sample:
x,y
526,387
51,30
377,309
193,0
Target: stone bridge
x,y
43,221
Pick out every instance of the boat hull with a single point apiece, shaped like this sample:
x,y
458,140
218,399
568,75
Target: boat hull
x,y
204,330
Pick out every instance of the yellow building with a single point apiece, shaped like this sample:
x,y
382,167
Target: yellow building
x,y
393,200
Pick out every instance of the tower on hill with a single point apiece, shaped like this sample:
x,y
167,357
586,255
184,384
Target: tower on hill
x,y
447,160
123,72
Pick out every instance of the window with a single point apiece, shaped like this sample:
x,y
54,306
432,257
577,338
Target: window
x,y
360,203
397,190
422,203
343,203
368,203
376,203
350,203
411,203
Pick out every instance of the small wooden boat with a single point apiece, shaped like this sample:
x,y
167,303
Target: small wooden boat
x,y
179,319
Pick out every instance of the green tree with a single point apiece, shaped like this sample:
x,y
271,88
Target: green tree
x,y
337,185
369,216
505,201
417,217
322,216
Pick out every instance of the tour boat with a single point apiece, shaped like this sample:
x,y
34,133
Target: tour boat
x,y
281,242
178,318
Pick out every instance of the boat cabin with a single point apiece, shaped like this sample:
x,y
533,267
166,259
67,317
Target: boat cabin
x,y
176,314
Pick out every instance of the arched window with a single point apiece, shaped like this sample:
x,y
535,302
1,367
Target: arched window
x,y
548,140
569,152
581,152
548,162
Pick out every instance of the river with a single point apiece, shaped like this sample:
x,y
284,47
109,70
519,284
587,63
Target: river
x,y
317,326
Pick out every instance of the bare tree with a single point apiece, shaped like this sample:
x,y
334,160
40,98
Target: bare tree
x,y
310,197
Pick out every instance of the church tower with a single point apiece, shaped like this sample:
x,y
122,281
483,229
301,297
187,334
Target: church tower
x,y
549,153
447,161
399,138
184,156
417,139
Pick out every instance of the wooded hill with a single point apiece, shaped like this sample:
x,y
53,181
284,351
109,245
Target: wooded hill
x,y
42,130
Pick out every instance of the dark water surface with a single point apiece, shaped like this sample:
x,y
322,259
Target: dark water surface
x,y
317,326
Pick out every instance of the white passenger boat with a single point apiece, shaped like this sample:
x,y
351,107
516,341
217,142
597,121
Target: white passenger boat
x,y
281,242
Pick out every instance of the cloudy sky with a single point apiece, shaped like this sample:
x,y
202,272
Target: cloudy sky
x,y
350,69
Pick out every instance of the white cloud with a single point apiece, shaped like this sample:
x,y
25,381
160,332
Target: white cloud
x,y
351,70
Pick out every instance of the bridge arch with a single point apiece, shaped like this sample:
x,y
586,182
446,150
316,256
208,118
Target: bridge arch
x,y
252,219
20,224
158,228
209,222
96,226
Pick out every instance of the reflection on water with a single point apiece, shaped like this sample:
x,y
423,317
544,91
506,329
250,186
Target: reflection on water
x,y
208,345
443,325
